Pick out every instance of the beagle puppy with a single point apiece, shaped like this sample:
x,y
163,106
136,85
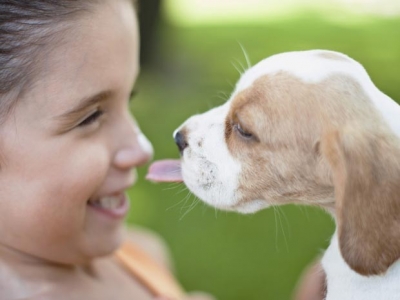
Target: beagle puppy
x,y
310,128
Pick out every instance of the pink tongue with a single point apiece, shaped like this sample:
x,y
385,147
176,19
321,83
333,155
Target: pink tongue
x,y
168,170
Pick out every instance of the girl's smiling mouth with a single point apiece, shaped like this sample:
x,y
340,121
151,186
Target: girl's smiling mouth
x,y
114,206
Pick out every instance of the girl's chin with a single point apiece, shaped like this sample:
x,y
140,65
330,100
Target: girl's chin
x,y
103,244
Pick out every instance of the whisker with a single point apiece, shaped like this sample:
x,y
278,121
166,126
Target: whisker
x,y
172,186
287,221
186,198
276,230
225,94
192,206
176,204
230,83
183,190
236,67
215,213
241,65
280,212
304,210
222,95
246,56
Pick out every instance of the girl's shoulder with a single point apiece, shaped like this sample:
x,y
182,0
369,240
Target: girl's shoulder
x,y
151,243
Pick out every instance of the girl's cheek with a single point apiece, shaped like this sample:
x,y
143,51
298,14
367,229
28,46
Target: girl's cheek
x,y
88,169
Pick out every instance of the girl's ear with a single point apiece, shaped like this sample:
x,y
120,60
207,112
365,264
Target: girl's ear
x,y
365,165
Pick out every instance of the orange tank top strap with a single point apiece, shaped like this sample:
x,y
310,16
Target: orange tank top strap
x,y
152,275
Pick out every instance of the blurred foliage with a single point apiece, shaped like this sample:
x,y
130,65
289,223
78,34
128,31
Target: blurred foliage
x,y
239,257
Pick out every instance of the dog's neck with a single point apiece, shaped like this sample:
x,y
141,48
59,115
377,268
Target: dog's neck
x,y
345,284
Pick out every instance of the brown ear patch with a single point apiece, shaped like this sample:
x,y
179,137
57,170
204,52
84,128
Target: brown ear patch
x,y
366,170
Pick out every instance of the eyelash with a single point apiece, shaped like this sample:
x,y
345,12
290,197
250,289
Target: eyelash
x,y
98,113
92,118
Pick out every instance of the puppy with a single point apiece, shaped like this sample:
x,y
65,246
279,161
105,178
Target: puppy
x,y
309,128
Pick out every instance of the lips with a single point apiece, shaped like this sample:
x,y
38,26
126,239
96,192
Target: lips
x,y
115,206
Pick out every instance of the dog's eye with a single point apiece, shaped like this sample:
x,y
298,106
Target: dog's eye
x,y
242,132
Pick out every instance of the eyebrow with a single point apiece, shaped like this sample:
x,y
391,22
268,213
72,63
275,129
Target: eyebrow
x,y
85,103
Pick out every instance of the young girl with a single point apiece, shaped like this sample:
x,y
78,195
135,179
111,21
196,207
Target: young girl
x,y
68,151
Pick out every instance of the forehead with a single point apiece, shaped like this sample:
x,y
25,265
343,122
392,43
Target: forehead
x,y
98,51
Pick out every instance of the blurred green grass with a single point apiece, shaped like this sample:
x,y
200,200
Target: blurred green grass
x,y
240,257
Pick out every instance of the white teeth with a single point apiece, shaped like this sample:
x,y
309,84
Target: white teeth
x,y
110,202
107,202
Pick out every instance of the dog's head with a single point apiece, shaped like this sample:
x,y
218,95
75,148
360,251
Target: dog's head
x,y
309,128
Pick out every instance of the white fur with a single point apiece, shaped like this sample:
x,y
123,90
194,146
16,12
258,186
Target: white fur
x,y
345,284
211,175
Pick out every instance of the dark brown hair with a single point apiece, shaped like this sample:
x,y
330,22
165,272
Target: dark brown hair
x,y
28,30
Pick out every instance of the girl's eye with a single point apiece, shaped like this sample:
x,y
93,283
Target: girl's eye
x,y
242,132
92,118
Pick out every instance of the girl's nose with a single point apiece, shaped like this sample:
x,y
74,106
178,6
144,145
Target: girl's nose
x,y
135,154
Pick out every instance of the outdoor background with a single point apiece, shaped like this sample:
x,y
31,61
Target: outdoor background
x,y
191,52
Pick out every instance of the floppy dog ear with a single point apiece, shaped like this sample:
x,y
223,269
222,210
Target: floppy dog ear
x,y
366,174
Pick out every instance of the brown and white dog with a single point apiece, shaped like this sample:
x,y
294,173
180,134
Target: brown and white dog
x,y
310,128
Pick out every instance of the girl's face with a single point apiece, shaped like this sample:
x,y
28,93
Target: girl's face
x,y
70,146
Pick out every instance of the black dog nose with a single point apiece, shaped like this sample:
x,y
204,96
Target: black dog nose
x,y
180,140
